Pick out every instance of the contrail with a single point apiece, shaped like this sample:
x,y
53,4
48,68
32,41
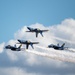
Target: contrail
x,y
48,49
63,52
72,49
71,42
53,56
51,49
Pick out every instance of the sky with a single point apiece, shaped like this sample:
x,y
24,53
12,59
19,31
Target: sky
x,y
55,15
41,60
16,13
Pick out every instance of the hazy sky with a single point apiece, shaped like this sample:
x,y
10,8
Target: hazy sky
x,y
14,14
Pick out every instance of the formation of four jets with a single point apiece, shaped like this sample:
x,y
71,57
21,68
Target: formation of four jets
x,y
27,43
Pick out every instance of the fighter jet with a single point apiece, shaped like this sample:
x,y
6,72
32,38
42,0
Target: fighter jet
x,y
57,47
36,30
13,48
27,43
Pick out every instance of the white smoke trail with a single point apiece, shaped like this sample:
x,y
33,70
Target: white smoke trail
x,y
71,49
58,52
53,56
51,49
47,49
71,42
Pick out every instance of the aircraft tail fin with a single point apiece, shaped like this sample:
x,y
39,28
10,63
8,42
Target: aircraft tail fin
x,y
27,45
41,34
32,46
58,44
63,45
20,46
29,28
36,34
15,45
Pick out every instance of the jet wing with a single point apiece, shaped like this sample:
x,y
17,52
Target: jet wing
x,y
44,30
35,42
28,31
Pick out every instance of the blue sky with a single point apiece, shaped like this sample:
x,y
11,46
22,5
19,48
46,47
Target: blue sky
x,y
14,14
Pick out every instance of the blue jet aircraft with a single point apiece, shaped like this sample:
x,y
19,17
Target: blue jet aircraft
x,y
27,43
36,30
13,48
57,47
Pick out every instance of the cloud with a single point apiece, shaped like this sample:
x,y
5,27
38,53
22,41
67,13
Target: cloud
x,y
2,47
13,71
22,63
65,29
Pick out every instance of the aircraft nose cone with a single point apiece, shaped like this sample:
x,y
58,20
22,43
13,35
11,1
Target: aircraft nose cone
x,y
49,46
6,47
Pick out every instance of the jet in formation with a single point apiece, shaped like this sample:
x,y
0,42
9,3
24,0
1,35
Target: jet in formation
x,y
13,48
27,43
57,47
36,30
